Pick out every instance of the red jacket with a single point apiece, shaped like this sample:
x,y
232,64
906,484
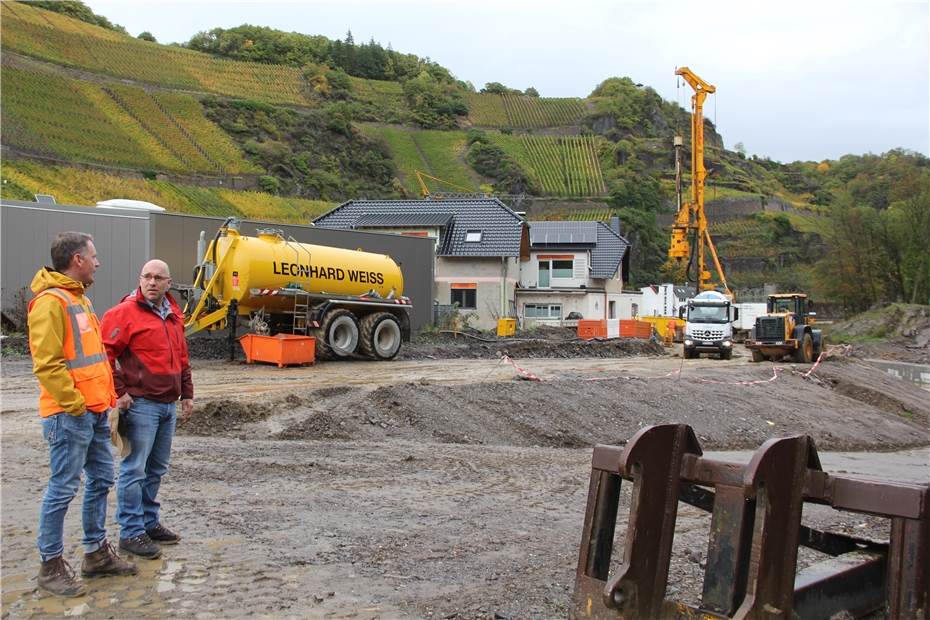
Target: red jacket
x,y
152,353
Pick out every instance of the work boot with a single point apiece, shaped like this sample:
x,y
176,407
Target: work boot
x,y
57,577
105,561
141,546
163,535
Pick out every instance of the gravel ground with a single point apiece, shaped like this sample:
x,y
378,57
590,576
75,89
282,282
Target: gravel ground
x,y
429,487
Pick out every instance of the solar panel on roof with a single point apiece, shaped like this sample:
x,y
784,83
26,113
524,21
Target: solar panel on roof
x,y
45,199
582,233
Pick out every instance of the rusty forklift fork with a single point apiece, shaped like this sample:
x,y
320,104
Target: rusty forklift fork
x,y
755,532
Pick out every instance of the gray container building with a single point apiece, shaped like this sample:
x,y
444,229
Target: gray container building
x,y
126,238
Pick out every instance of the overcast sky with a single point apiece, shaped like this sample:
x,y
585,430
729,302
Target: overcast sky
x,y
795,80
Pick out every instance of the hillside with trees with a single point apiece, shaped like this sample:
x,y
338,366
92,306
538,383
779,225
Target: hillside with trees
x,y
281,125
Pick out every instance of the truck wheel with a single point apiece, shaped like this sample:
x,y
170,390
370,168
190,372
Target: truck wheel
x,y
818,349
338,335
689,354
380,337
757,355
726,354
805,353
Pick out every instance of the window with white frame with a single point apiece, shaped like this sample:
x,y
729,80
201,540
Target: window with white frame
x,y
473,236
542,311
552,268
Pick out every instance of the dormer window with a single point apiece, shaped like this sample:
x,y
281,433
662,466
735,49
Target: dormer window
x,y
473,236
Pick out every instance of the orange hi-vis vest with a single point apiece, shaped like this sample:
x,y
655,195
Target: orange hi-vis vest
x,y
85,357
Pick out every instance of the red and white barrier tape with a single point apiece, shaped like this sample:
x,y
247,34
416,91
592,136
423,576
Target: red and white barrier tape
x,y
829,352
523,374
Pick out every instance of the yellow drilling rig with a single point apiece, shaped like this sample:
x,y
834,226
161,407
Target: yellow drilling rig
x,y
690,238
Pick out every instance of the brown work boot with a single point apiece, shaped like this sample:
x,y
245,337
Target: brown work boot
x,y
141,546
105,561
57,577
163,535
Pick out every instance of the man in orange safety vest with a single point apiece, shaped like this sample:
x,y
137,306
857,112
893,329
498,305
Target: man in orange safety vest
x,y
75,394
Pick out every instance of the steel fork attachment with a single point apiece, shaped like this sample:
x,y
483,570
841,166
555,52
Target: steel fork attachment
x,y
755,532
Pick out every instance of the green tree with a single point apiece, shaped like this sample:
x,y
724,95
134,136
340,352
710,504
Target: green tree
x,y
856,268
435,104
637,198
496,88
147,36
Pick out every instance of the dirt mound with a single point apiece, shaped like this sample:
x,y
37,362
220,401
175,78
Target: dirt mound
x,y
576,412
225,416
550,342
862,383
896,332
892,321
544,342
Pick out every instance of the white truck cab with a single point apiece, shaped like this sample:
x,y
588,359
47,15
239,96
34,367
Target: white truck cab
x,y
709,325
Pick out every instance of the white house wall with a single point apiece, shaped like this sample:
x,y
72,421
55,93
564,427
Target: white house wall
x,y
659,302
629,304
487,274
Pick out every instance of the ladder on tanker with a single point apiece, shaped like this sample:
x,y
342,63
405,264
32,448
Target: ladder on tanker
x,y
299,324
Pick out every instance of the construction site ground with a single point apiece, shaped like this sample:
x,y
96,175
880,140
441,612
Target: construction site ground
x,y
439,485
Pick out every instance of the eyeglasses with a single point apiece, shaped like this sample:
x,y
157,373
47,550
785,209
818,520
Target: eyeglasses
x,y
149,276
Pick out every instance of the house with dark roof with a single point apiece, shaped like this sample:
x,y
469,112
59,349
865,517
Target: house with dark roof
x,y
481,245
576,270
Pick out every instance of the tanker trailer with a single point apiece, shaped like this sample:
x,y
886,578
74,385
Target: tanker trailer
x,y
350,301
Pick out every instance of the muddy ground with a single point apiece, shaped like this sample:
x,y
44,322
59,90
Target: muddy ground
x,y
438,485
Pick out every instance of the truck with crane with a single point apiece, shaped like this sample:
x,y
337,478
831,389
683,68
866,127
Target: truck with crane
x,y
351,301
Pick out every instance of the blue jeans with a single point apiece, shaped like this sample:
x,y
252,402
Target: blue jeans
x,y
149,427
75,443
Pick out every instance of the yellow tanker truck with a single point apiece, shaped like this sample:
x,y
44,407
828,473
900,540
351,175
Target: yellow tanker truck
x,y
351,301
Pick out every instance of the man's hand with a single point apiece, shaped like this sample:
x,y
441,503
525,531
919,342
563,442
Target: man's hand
x,y
187,408
124,402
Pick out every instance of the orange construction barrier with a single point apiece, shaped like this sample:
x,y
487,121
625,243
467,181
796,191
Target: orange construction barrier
x,y
592,328
283,349
635,329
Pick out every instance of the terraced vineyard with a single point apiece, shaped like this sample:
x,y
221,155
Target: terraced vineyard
x,y
487,110
21,180
116,125
437,153
218,147
561,166
539,112
76,121
69,42
521,112
590,215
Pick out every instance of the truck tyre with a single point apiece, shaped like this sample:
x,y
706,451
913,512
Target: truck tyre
x,y
380,336
805,352
337,336
726,354
757,355
689,354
